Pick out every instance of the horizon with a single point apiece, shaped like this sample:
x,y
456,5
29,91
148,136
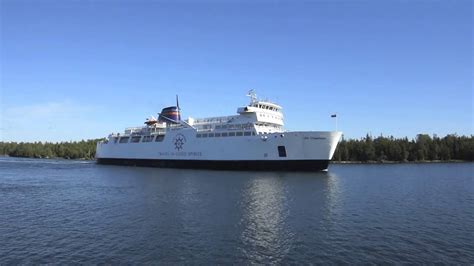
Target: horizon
x,y
75,71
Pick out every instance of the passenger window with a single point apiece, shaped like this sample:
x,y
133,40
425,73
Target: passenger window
x,y
231,134
147,138
247,133
224,134
160,138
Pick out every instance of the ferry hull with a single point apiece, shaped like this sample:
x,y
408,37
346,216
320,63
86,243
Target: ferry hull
x,y
288,151
257,165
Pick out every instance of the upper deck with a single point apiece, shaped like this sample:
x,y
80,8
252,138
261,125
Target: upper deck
x,y
259,117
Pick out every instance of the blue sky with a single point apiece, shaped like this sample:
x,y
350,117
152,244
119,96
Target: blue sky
x,y
74,70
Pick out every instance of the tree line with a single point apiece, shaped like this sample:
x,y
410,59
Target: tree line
x,y
84,149
421,148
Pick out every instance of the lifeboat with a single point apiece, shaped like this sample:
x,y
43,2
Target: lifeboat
x,y
150,121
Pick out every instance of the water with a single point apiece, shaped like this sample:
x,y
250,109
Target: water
x,y
60,211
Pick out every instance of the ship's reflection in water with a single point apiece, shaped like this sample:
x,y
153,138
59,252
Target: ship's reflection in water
x,y
271,205
231,216
250,210
263,222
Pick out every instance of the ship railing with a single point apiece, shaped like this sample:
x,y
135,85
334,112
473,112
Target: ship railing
x,y
144,130
213,120
204,130
231,127
131,130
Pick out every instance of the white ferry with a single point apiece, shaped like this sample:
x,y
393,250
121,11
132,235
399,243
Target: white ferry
x,y
254,139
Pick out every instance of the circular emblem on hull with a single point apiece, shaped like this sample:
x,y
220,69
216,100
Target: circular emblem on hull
x,y
179,141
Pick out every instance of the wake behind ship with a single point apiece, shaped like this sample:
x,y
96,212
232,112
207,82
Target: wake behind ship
x,y
254,139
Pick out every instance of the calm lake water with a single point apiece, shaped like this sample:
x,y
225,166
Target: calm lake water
x,y
60,211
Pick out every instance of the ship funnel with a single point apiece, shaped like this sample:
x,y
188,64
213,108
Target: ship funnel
x,y
170,115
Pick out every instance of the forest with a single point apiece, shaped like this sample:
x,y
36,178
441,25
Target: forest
x,y
84,149
367,149
422,148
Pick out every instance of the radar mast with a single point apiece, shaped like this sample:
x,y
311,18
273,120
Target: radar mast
x,y
253,96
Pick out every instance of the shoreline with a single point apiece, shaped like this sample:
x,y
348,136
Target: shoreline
x,y
331,162
47,158
397,162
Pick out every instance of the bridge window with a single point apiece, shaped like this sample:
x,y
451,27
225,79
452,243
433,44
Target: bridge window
x,y
231,134
224,134
217,134
247,133
160,138
239,134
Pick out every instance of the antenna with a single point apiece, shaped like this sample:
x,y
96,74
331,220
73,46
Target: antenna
x,y
252,95
335,116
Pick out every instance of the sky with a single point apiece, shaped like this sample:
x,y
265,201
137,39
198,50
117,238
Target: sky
x,y
72,70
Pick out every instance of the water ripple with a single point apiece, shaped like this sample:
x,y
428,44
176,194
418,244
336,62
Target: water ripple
x,y
62,212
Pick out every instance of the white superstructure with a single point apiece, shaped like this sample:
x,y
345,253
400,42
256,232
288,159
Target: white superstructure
x,y
253,139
